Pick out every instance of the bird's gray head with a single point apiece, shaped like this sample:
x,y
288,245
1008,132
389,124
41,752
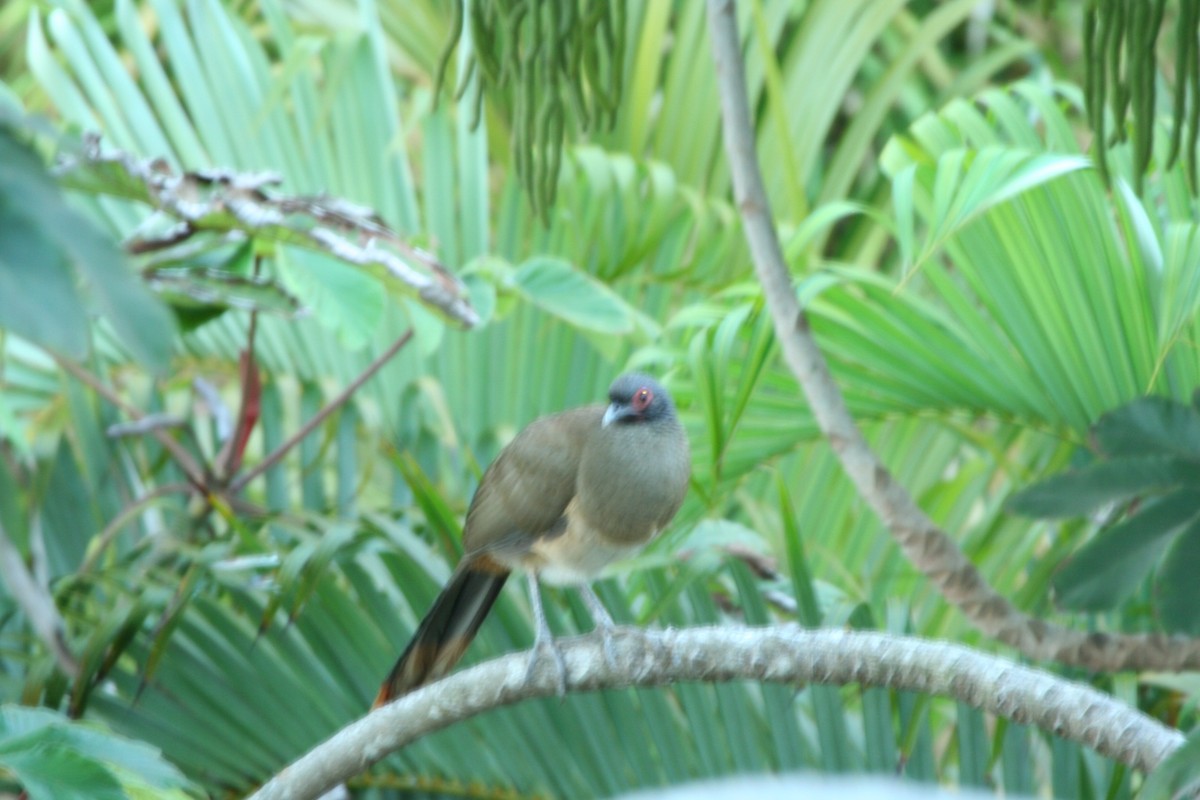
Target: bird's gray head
x,y
636,398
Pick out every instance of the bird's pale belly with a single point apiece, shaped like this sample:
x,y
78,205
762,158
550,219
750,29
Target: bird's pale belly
x,y
576,556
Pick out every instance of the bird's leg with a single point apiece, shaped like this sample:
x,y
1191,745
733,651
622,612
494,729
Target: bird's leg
x,y
545,639
604,623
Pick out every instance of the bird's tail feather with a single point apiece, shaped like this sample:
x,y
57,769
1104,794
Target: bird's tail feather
x,y
448,628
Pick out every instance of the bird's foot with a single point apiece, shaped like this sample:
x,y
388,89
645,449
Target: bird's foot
x,y
547,647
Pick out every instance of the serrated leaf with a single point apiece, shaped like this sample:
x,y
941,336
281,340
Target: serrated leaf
x,y
54,773
560,289
1082,491
28,732
1152,425
1178,589
130,756
1110,567
18,721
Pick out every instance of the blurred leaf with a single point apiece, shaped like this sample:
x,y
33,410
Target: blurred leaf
x,y
1150,426
196,289
54,758
1085,490
38,297
347,301
1150,446
558,288
1110,567
52,773
1178,590
47,249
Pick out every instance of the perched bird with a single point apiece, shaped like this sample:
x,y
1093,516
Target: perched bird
x,y
572,493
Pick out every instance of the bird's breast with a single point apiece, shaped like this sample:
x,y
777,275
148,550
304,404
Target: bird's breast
x,y
577,555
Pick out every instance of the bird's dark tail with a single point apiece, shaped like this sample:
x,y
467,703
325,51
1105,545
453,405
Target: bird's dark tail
x,y
448,628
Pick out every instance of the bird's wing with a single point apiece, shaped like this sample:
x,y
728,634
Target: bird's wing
x,y
525,491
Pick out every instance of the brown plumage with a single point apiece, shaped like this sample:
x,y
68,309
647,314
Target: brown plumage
x,y
572,493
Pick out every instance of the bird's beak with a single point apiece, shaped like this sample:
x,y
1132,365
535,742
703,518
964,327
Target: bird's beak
x,y
613,413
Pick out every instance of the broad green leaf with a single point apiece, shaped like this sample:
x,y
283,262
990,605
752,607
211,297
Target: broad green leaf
x,y
344,299
1110,567
1177,588
1151,426
38,296
429,328
482,294
130,756
56,773
1082,491
27,734
140,319
560,289
18,721
47,249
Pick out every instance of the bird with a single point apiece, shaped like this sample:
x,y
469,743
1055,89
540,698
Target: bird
x,y
570,494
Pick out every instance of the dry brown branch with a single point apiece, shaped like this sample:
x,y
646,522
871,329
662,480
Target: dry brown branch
x,y
227,202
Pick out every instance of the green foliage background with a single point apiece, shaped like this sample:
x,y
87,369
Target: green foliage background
x,y
982,294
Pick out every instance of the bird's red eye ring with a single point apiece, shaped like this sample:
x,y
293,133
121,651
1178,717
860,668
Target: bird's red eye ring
x,y
641,399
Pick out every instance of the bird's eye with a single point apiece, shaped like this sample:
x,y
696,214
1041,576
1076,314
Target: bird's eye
x,y
641,399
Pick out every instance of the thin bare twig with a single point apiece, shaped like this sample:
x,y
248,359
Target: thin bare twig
x,y
191,467
780,654
38,605
279,452
928,547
